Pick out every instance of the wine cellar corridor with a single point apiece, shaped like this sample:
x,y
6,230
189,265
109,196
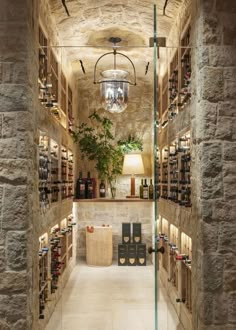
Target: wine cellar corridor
x,y
118,165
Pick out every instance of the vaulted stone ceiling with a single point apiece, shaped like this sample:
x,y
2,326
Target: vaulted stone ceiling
x,y
93,22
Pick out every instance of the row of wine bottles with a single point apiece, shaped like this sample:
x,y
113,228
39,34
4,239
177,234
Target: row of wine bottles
x,y
85,187
145,190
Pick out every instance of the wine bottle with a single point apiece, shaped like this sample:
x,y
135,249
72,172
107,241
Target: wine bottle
x,y
102,189
145,189
80,187
150,190
141,189
88,187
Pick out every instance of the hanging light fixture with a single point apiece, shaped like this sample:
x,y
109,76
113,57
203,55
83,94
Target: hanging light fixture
x,y
114,84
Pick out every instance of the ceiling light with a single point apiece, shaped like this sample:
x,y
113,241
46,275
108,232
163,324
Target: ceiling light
x,y
114,84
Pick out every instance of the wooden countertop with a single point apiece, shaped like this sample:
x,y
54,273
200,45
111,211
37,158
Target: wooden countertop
x,y
112,200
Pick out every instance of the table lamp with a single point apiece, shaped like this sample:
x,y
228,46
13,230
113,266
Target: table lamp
x,y
133,164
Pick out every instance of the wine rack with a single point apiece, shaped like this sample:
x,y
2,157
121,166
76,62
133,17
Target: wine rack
x,y
43,68
70,191
54,77
63,243
70,111
186,280
184,180
55,252
48,76
176,84
43,170
185,81
53,91
173,245
159,110
54,151
56,180
63,99
176,260
164,101
173,87
175,168
164,173
64,172
158,184
63,93
61,249
163,236
173,172
70,225
55,257
43,274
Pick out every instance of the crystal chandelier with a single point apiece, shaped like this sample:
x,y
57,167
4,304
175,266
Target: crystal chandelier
x,y
114,84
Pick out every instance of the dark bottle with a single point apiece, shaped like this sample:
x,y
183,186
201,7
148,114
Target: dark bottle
x,y
89,187
150,190
102,189
145,189
80,187
141,189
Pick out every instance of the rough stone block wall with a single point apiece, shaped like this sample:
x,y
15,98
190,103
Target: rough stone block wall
x,y
214,179
21,222
18,63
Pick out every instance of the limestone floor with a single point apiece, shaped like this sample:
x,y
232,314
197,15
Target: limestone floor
x,y
112,298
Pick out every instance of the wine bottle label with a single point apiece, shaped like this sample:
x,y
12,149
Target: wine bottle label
x,y
145,193
141,261
122,260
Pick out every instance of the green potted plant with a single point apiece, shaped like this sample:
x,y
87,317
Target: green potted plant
x,y
97,143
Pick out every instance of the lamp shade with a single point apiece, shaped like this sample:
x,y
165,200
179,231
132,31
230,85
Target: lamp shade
x,y
133,164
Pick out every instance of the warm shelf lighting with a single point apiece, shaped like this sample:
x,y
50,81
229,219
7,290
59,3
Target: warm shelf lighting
x,y
133,164
114,85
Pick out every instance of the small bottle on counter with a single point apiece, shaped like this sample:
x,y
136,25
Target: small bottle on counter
x,y
145,189
150,190
102,189
141,189
89,187
80,187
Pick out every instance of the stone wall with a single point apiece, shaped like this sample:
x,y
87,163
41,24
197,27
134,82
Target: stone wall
x,y
214,125
18,64
21,222
211,223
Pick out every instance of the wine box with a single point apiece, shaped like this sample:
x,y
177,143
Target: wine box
x,y
122,255
137,238
126,233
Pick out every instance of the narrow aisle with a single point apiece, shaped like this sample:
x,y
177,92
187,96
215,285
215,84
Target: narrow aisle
x,y
111,298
